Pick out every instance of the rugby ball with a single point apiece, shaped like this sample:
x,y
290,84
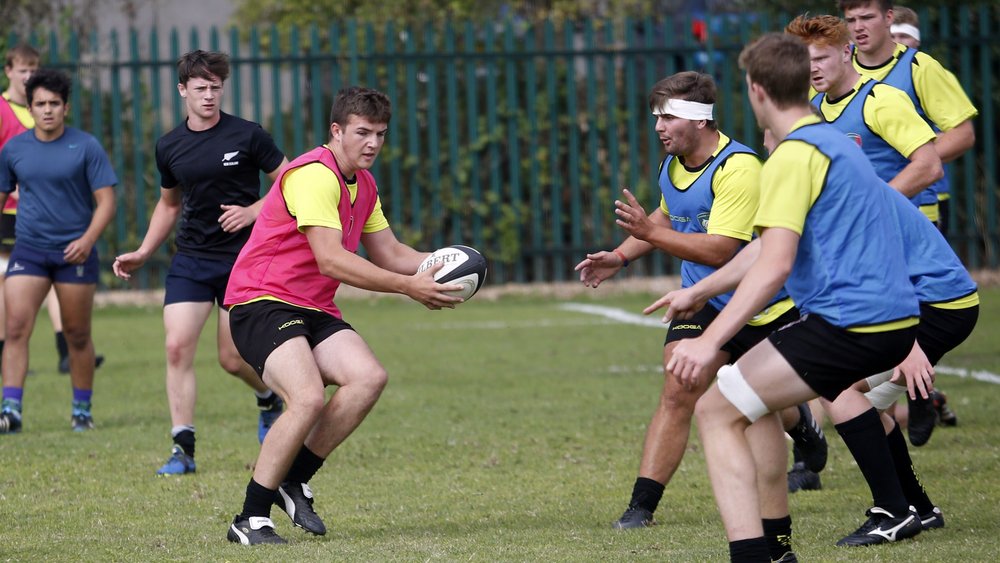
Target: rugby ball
x,y
463,265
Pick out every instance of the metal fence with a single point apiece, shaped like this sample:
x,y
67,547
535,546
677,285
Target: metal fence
x,y
512,138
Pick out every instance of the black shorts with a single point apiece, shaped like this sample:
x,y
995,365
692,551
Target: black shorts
x,y
258,328
7,224
830,359
942,330
693,327
751,335
748,336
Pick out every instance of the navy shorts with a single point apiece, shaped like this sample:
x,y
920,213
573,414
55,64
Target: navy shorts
x,y
30,261
748,336
259,327
193,279
830,359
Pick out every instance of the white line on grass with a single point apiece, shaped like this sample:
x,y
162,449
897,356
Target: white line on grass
x,y
614,314
622,316
503,325
977,374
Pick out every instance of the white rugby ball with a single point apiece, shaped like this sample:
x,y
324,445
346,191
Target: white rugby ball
x,y
463,265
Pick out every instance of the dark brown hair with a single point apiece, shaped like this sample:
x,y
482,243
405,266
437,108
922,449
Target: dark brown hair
x,y
202,64
363,102
779,63
689,85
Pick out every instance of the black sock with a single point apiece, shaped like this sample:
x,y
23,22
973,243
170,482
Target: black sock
x,y
306,465
753,550
778,533
914,491
646,494
185,439
1,344
268,402
865,438
61,345
258,500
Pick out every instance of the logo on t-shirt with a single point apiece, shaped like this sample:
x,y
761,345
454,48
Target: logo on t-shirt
x,y
227,158
855,137
703,220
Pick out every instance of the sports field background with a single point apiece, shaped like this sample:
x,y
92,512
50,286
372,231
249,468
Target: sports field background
x,y
511,430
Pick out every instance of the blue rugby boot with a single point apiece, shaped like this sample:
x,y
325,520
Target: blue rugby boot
x,y
270,410
10,421
179,463
81,420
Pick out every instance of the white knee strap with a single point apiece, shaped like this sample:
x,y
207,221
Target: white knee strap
x,y
736,390
4,262
885,395
878,379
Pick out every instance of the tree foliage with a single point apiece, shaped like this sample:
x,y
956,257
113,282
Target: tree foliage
x,y
288,13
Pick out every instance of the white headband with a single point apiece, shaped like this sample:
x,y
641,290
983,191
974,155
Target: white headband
x,y
905,29
685,109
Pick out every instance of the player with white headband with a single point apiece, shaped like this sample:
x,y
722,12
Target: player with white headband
x,y
905,28
709,186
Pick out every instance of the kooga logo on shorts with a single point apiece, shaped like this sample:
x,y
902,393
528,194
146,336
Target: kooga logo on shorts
x,y
290,323
685,327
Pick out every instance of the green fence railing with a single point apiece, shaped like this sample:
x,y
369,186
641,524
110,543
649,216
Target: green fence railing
x,y
512,138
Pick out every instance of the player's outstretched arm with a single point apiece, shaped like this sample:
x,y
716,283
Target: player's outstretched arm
x,y
655,229
763,279
337,262
683,303
599,266
164,217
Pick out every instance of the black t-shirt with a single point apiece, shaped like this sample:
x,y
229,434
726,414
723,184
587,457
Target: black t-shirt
x,y
217,166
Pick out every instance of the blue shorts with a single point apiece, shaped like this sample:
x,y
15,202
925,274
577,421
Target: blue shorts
x,y
30,261
193,279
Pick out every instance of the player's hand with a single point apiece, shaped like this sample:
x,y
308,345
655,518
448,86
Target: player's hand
x,y
681,304
127,263
690,360
236,217
632,217
598,267
430,293
77,251
918,372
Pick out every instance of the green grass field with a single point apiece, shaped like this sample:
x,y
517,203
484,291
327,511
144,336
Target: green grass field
x,y
511,430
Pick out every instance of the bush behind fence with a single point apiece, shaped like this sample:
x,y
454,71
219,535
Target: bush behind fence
x,y
512,138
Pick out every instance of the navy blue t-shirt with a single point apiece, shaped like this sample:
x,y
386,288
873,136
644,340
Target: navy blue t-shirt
x,y
57,181
217,166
